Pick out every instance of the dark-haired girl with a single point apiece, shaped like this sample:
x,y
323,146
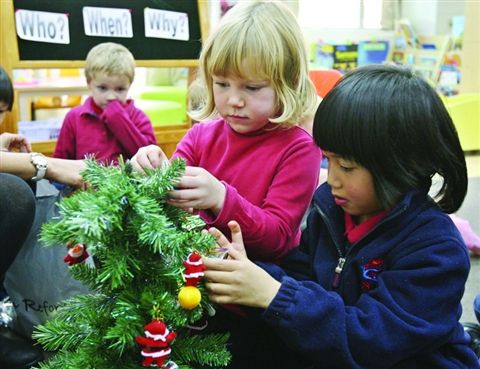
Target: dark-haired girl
x,y
380,271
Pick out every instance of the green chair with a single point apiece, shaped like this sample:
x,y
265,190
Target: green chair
x,y
465,112
164,105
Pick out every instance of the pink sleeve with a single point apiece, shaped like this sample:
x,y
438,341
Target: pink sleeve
x,y
185,148
65,148
271,230
132,129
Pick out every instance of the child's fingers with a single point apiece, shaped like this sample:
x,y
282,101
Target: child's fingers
x,y
235,254
222,241
215,264
145,162
137,167
236,232
217,276
156,159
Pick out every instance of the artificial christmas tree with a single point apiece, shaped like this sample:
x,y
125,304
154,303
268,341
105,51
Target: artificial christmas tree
x,y
142,252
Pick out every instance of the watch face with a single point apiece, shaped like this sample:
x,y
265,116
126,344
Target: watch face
x,y
39,160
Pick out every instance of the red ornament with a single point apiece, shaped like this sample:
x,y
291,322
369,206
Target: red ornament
x,y
76,253
156,343
194,269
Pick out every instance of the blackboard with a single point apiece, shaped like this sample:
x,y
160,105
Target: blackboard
x,y
142,48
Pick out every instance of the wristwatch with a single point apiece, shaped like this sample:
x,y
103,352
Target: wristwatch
x,y
40,163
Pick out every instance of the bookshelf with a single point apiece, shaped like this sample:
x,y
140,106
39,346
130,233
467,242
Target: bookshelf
x,y
424,53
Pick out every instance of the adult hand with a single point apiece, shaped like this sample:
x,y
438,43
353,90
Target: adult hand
x,y
66,171
237,280
14,142
198,189
148,157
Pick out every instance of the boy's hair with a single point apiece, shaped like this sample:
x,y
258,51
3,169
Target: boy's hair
x,y
111,59
267,37
394,124
6,89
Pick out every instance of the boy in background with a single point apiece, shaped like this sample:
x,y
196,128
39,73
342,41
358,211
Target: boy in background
x,y
108,124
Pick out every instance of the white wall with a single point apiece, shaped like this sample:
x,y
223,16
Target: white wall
x,y
345,35
431,17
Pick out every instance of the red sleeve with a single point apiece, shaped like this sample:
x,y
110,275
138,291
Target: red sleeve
x,y
185,148
130,126
65,147
271,227
271,230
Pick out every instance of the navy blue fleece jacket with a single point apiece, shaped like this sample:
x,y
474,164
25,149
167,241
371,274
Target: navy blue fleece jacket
x,y
397,303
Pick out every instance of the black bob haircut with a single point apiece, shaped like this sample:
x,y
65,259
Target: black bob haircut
x,y
394,124
6,89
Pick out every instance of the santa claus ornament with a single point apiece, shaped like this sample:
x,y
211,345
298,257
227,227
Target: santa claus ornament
x,y
76,253
156,344
189,296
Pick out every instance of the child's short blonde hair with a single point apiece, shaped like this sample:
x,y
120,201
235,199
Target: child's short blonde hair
x,y
110,58
267,38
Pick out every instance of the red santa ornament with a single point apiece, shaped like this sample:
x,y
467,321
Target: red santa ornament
x,y
189,295
76,254
194,269
156,343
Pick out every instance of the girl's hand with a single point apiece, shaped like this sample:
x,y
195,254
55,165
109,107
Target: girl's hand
x,y
237,280
224,244
14,142
198,189
148,157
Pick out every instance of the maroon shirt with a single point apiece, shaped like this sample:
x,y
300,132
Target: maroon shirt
x,y
117,130
270,176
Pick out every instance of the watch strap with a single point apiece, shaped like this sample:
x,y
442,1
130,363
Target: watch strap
x,y
40,163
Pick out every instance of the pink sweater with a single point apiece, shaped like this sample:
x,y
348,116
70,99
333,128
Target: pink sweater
x,y
270,177
118,130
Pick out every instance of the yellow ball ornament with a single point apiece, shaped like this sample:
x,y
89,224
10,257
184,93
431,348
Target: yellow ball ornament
x,y
189,297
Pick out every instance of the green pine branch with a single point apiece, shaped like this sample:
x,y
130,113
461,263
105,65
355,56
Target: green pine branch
x,y
204,350
138,243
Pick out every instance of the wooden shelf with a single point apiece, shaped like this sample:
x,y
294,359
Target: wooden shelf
x,y
52,87
425,54
167,138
